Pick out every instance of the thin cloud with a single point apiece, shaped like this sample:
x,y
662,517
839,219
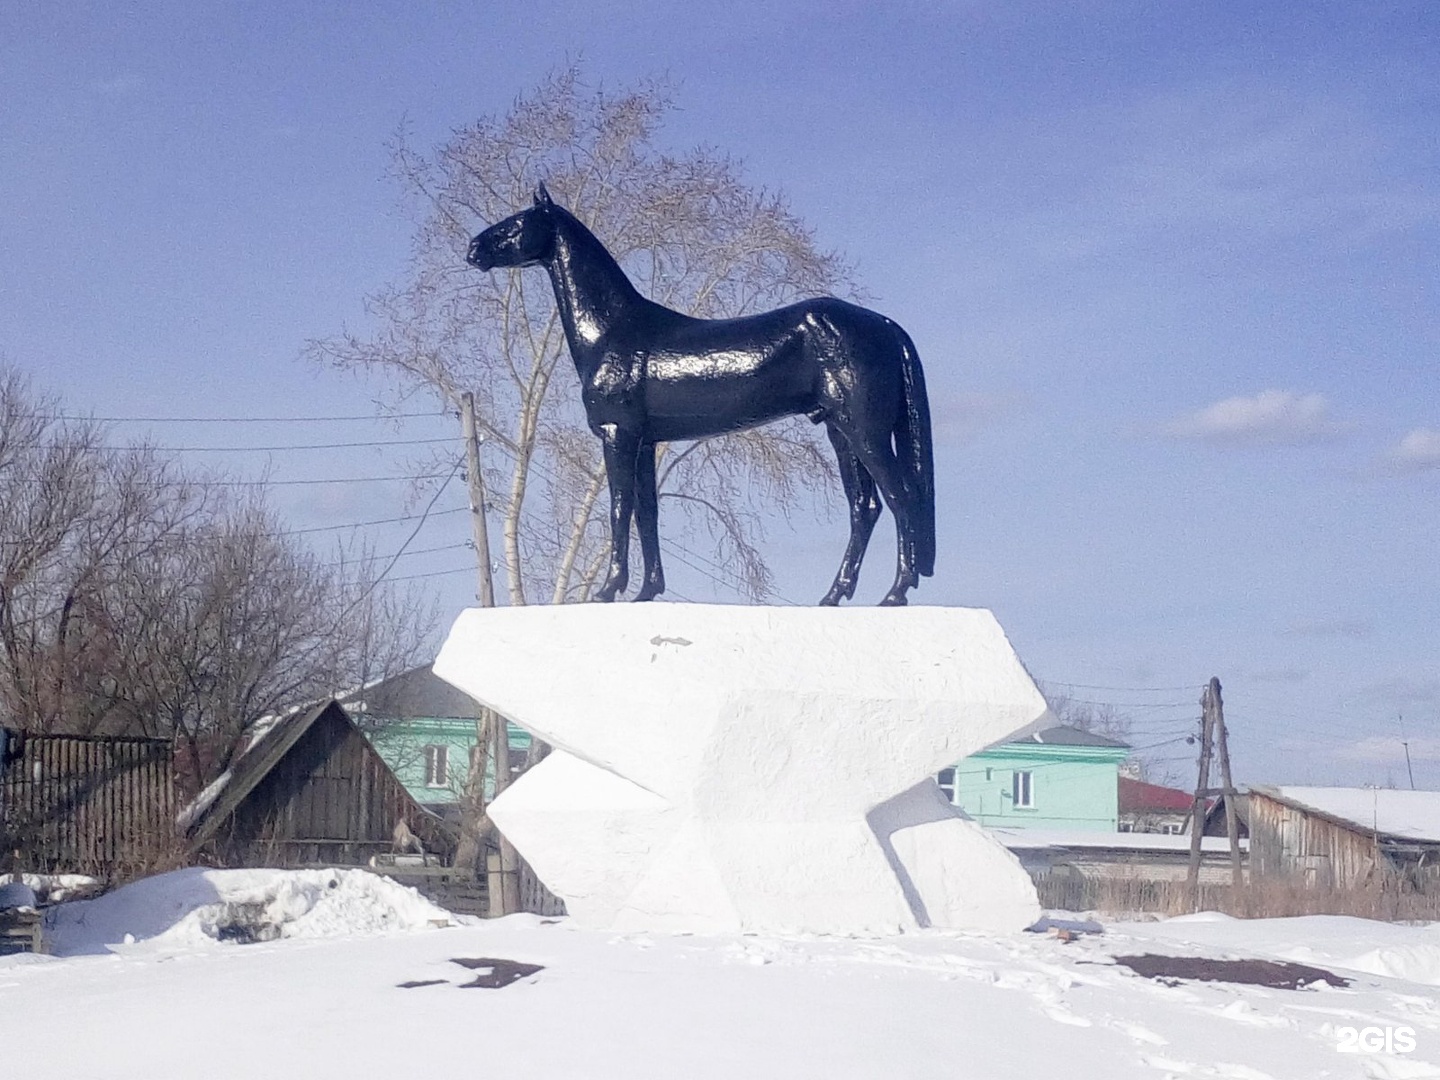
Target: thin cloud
x,y
1269,418
959,417
1402,692
1389,750
1330,628
1280,675
1418,451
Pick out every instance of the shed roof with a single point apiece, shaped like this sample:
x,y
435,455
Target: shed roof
x,y
275,736
418,692
1405,815
1017,839
205,813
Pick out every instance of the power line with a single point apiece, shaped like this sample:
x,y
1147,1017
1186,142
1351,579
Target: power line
x,y
238,419
405,553
321,480
274,483
375,521
424,515
1130,704
435,573
258,449
1122,689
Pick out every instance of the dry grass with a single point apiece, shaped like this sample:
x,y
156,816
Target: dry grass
x,y
1390,900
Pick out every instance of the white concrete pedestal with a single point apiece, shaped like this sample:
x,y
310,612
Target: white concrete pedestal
x,y
753,768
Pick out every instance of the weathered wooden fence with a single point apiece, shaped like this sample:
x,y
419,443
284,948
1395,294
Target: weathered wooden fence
x,y
87,804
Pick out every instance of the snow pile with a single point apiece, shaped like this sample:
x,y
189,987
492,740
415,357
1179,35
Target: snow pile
x,y
1390,950
197,906
48,888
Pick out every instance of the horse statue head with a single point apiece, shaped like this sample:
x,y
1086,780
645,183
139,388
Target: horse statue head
x,y
523,239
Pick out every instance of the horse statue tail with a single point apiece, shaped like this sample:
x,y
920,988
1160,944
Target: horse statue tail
x,y
917,455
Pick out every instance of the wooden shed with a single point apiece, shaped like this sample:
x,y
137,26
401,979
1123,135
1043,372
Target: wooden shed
x,y
309,790
1342,837
84,803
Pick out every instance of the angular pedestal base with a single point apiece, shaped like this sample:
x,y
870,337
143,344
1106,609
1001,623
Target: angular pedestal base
x,y
737,768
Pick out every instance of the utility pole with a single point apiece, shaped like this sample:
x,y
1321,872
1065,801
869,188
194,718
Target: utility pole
x,y
1406,744
491,730
1197,806
1227,787
1213,736
475,479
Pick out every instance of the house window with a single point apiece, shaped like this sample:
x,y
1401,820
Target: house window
x,y
1022,790
437,766
946,780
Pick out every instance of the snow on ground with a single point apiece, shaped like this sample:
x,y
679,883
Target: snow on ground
x,y
180,1004
195,907
1393,950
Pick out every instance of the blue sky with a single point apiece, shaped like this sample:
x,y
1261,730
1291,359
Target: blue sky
x,y
1170,268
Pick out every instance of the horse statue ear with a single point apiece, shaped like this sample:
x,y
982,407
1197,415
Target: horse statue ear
x,y
542,197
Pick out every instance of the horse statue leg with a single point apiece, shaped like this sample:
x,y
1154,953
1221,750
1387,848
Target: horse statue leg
x,y
647,523
620,449
864,506
880,461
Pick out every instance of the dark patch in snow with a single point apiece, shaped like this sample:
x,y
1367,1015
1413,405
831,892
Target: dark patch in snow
x,y
245,924
1276,974
413,983
493,973
1049,924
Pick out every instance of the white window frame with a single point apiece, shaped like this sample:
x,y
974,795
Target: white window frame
x,y
437,765
1022,789
948,787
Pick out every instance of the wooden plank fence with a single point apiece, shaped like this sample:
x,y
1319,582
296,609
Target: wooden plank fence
x,y
85,804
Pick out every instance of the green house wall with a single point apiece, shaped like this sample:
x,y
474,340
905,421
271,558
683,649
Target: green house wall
x,y
1072,787
401,745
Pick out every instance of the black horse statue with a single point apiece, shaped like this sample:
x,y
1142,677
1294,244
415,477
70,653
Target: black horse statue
x,y
649,374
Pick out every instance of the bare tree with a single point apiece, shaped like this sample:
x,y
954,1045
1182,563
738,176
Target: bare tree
x,y
236,621
691,233
136,599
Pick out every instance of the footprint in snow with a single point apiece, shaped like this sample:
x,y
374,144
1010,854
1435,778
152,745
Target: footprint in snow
x,y
1141,1035
1065,1016
1221,1071
1397,1068
1241,1011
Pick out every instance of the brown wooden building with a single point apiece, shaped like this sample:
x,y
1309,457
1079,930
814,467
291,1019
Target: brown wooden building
x,y
1343,837
89,804
310,790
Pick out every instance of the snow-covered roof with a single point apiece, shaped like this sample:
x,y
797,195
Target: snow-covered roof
x,y
1407,815
1129,841
1069,735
